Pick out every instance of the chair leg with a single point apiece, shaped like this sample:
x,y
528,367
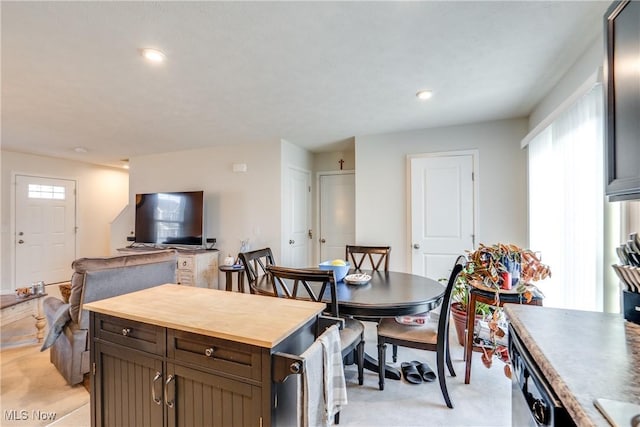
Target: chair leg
x,y
360,359
395,353
441,378
382,350
336,418
448,357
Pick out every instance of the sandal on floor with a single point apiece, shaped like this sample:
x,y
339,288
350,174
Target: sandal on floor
x,y
410,372
426,373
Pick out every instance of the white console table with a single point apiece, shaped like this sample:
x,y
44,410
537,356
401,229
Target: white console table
x,y
15,309
197,267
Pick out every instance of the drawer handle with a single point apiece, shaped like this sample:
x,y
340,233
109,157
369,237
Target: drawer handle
x,y
126,331
168,402
209,351
156,400
184,263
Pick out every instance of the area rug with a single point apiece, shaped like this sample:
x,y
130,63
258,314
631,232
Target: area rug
x,y
32,392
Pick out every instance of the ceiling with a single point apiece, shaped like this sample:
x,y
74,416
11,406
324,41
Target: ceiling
x,y
317,74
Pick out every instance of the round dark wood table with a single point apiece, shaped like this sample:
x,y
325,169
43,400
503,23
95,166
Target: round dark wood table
x,y
387,294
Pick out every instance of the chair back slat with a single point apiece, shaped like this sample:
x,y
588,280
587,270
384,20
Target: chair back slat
x,y
298,283
443,320
255,266
376,256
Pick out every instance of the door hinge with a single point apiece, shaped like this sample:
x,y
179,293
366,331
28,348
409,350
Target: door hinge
x,y
93,368
473,176
260,421
309,188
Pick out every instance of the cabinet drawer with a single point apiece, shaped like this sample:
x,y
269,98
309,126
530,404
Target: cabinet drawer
x,y
129,333
19,311
216,354
185,263
185,278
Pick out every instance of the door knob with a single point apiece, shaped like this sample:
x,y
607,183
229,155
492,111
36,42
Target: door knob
x,y
20,241
323,241
291,242
416,246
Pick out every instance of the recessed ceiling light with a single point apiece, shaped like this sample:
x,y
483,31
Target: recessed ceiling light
x,y
80,150
153,55
424,94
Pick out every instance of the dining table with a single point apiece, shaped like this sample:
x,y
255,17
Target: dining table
x,y
387,294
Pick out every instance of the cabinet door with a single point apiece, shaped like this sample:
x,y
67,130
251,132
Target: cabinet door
x,y
126,383
197,398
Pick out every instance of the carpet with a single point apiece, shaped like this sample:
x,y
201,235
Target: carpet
x,y
32,392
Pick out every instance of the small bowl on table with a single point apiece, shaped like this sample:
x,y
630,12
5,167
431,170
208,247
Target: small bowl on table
x,y
339,271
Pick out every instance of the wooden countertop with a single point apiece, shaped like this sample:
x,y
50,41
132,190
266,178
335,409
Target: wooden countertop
x,y
583,355
252,319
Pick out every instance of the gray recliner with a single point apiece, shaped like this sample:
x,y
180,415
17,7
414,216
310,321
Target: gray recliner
x,y
95,279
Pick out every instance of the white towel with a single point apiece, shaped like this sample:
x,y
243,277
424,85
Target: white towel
x,y
323,389
311,388
335,387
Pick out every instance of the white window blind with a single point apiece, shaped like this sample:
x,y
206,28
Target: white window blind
x,y
566,197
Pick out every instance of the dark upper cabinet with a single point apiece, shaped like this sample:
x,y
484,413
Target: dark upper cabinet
x,y
622,91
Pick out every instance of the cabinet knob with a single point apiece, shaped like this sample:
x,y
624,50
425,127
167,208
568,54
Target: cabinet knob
x,y
126,331
209,351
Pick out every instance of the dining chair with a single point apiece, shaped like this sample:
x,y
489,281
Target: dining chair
x,y
422,337
302,284
376,256
255,264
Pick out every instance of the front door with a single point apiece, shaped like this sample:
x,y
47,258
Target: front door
x,y
337,214
45,229
442,211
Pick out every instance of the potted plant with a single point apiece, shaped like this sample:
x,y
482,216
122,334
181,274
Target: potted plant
x,y
494,268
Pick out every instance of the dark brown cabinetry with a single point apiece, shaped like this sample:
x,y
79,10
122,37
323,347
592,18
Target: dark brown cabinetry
x,y
622,89
148,375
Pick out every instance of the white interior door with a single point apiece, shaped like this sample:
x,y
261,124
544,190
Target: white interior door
x,y
442,212
337,214
297,219
45,229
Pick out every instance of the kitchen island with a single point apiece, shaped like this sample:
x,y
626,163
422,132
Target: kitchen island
x,y
174,355
583,356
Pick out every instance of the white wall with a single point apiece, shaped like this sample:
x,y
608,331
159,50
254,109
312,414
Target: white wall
x,y
329,161
238,205
381,183
101,193
590,61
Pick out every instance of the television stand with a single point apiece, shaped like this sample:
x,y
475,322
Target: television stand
x,y
196,267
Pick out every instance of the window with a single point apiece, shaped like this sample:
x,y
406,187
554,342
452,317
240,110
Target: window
x,y
37,191
566,204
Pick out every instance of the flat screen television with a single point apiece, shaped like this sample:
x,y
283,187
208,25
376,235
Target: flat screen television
x,y
170,218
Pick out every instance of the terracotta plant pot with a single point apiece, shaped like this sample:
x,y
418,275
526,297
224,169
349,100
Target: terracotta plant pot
x,y
460,321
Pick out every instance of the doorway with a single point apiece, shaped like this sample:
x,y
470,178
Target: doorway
x,y
297,219
443,210
337,214
45,229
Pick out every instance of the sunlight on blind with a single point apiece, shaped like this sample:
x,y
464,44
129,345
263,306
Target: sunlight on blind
x,y
37,191
566,196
